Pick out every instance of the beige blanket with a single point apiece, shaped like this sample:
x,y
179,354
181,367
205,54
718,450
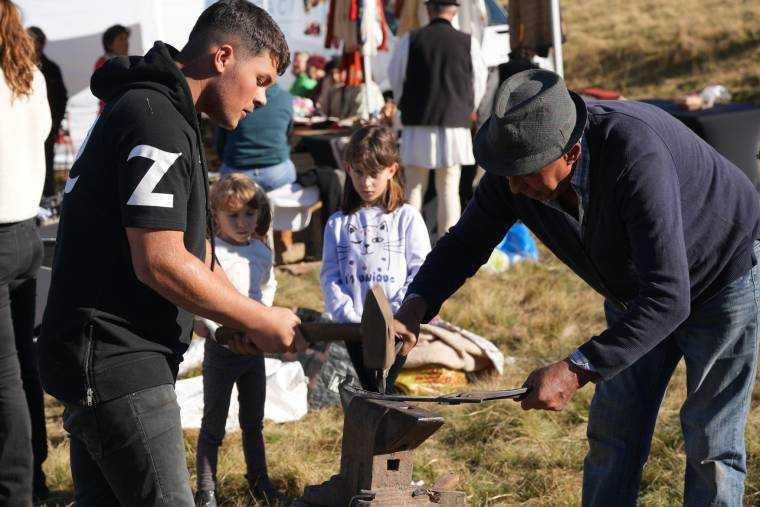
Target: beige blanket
x,y
444,344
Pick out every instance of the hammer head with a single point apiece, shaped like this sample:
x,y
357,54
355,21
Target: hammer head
x,y
378,339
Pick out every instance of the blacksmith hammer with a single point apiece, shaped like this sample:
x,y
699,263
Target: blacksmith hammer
x,y
375,333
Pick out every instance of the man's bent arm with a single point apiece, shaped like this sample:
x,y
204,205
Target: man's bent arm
x,y
162,262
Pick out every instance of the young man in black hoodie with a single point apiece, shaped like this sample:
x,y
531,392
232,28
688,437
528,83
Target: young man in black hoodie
x,y
133,263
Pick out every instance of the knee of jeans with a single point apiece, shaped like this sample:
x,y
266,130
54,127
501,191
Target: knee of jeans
x,y
212,437
703,447
252,418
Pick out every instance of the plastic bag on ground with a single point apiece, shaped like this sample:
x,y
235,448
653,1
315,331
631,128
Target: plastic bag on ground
x,y
285,401
518,245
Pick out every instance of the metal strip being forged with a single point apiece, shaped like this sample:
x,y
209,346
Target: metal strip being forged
x,y
446,399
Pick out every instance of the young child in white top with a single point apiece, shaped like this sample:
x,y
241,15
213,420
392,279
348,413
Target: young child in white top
x,y
242,216
376,238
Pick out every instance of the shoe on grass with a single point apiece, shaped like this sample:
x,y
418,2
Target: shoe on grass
x,y
205,499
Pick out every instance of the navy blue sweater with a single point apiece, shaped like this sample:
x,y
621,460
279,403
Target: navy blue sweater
x,y
261,138
669,223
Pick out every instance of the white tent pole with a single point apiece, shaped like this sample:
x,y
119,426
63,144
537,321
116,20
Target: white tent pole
x,y
557,38
369,10
367,79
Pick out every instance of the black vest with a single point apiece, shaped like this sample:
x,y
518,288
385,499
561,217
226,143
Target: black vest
x,y
438,87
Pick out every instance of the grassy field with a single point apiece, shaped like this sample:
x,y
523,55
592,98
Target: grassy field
x,y
503,456
536,313
664,49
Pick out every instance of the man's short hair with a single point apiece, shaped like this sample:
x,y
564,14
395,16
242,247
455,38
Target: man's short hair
x,y
438,9
38,35
252,27
110,35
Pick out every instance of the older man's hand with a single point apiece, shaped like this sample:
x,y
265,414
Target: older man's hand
x,y
553,386
406,323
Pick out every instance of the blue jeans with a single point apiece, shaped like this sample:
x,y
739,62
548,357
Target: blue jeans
x,y
719,344
129,451
269,178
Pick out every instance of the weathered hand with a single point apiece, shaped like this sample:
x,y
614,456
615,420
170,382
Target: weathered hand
x,y
408,336
552,387
406,323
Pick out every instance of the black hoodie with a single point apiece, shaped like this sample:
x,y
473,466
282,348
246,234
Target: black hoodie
x,y
104,333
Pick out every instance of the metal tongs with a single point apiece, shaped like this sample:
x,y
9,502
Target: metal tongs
x,y
446,399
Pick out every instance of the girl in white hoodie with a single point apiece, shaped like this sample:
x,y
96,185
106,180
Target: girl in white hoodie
x,y
376,238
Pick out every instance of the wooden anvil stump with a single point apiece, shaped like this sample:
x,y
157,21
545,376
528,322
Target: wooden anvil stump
x,y
376,457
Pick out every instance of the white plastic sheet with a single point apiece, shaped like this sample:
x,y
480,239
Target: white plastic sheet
x,y
286,392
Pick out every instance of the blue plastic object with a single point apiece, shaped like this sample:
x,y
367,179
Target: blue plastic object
x,y
519,242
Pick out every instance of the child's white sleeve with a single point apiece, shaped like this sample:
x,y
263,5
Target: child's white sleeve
x,y
268,288
238,274
417,248
338,301
210,325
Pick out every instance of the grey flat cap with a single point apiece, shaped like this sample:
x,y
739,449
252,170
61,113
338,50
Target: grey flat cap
x,y
536,120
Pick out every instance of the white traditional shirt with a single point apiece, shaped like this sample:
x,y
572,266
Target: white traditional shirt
x,y
370,247
432,146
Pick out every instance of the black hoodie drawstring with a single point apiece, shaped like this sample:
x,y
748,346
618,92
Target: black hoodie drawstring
x,y
204,169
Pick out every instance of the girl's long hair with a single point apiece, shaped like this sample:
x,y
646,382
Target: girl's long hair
x,y
17,53
371,149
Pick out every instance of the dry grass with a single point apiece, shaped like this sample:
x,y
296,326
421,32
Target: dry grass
x,y
664,49
504,456
537,313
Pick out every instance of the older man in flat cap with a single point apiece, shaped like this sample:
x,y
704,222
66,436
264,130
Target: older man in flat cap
x,y
438,77
662,226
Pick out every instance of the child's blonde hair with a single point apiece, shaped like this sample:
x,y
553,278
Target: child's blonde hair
x,y
236,191
372,148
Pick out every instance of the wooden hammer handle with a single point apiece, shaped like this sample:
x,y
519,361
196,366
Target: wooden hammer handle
x,y
314,332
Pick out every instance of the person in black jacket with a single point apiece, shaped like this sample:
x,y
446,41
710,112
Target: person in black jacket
x,y
58,96
133,262
662,226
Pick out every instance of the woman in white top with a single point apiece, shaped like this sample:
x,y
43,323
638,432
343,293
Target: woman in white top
x,y
24,125
376,238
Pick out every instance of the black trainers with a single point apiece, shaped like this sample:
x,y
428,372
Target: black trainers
x,y
263,489
205,499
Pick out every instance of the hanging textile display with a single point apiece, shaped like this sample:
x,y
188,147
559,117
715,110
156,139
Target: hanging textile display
x,y
531,26
360,28
345,22
472,17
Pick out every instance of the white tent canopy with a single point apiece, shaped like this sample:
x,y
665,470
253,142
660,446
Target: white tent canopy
x,y
74,29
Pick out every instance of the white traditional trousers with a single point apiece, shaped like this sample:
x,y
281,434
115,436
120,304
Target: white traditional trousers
x,y
446,187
